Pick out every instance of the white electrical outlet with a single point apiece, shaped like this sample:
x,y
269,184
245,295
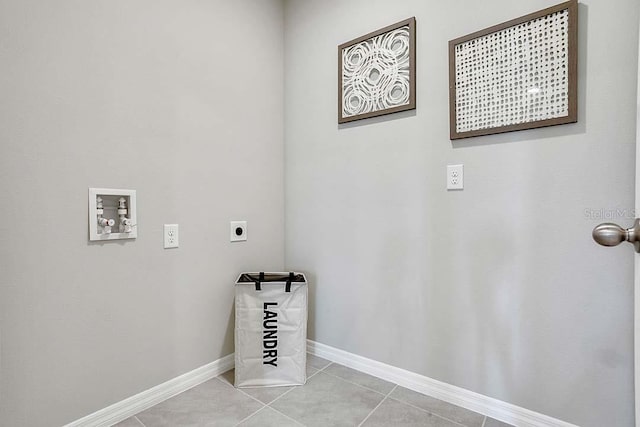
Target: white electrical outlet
x,y
238,231
455,177
171,236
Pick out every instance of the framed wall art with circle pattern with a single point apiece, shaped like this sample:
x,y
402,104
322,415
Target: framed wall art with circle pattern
x,y
376,73
517,75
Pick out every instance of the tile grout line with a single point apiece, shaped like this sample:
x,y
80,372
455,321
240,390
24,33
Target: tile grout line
x,y
326,373
360,385
264,405
285,415
386,396
316,371
268,405
429,412
312,375
377,406
249,416
372,411
246,394
293,387
322,369
393,398
286,392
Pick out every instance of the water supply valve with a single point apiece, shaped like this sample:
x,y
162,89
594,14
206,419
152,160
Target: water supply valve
x,y
108,206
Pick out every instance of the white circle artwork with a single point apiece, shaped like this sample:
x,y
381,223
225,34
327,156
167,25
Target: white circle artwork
x,y
516,75
375,73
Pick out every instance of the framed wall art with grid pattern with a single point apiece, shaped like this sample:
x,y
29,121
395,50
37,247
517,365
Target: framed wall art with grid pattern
x,y
517,75
376,73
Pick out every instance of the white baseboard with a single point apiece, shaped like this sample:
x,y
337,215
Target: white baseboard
x,y
126,408
493,408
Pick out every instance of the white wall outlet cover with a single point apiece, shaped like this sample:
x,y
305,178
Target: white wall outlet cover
x,y
455,177
238,231
171,236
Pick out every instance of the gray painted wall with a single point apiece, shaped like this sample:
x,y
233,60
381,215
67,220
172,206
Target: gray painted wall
x,y
498,288
181,101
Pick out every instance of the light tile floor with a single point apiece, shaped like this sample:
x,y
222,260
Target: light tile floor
x,y
334,395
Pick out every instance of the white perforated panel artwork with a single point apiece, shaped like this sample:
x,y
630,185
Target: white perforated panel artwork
x,y
519,74
376,73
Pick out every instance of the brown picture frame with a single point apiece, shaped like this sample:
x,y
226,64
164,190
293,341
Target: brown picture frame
x,y
572,73
411,23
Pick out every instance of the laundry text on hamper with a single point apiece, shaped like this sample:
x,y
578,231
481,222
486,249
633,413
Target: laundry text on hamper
x,y
270,338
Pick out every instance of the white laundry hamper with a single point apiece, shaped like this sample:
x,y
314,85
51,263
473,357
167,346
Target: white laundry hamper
x,y
271,329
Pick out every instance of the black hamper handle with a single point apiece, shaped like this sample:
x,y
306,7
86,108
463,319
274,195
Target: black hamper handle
x,y
260,279
287,287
